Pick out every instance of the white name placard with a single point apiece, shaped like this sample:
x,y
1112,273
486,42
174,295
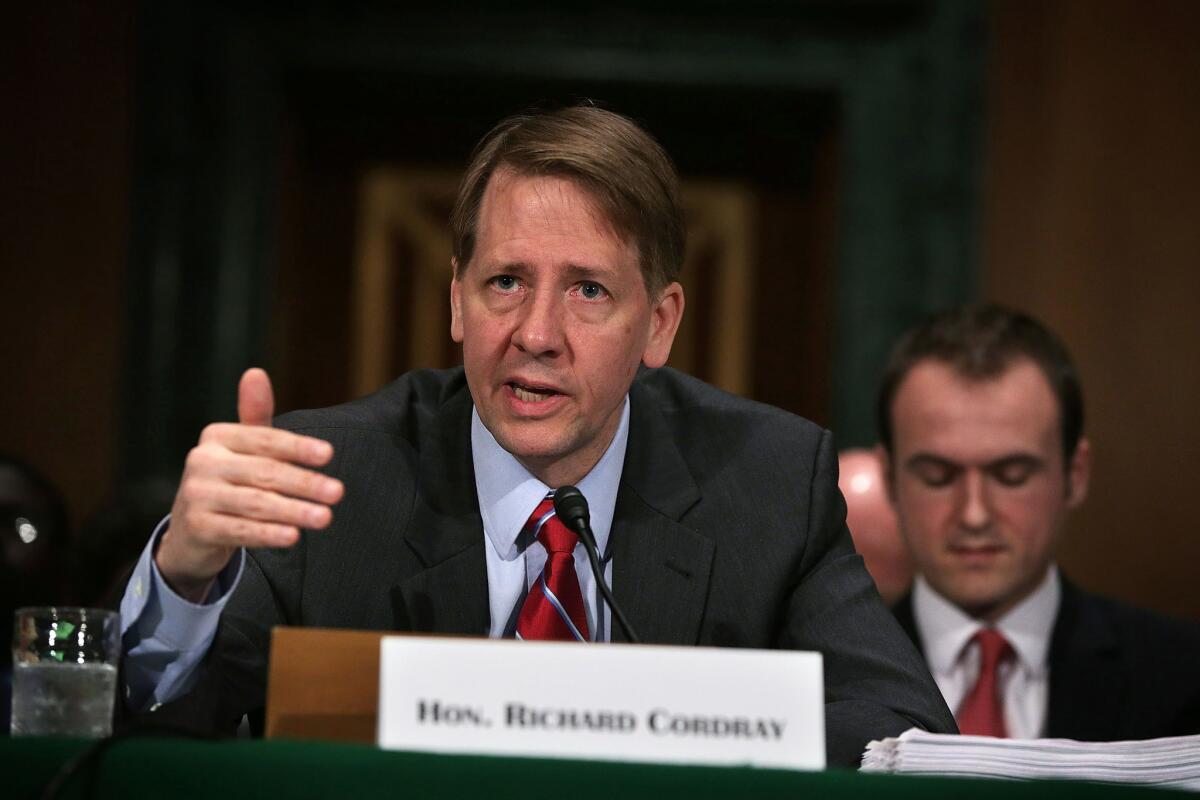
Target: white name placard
x,y
693,705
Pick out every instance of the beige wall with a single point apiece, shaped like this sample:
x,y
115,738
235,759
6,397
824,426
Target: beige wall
x,y
1092,222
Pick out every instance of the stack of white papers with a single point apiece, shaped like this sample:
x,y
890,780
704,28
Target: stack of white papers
x,y
1165,762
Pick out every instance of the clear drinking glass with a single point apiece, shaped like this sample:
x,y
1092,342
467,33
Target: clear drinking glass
x,y
64,671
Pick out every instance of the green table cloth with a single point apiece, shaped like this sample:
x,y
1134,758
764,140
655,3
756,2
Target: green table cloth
x,y
186,768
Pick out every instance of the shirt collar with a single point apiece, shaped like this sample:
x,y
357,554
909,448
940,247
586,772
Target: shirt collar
x,y
508,492
945,629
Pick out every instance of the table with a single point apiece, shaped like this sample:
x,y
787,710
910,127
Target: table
x,y
186,768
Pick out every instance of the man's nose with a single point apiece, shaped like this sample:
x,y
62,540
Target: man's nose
x,y
976,505
539,330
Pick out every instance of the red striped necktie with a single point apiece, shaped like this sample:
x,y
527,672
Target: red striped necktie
x,y
982,710
554,607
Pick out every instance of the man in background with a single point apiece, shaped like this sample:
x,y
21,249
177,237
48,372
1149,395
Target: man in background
x,y
981,416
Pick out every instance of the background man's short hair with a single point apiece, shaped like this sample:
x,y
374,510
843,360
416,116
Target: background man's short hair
x,y
980,342
627,172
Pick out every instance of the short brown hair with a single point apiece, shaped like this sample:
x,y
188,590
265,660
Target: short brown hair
x,y
625,170
980,342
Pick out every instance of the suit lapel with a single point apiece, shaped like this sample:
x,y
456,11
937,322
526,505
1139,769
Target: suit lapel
x,y
661,568
903,611
446,533
1087,683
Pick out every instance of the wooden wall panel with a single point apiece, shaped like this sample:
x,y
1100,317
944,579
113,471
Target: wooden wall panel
x,y
1092,222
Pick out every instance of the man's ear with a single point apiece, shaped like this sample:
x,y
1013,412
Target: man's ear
x,y
664,324
1079,473
456,320
886,467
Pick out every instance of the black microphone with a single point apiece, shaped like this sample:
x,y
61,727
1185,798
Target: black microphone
x,y
572,508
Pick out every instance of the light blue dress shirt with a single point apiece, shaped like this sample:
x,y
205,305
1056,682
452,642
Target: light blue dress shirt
x,y
508,494
165,636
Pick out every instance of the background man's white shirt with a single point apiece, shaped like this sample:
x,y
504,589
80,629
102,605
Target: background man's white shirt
x,y
946,632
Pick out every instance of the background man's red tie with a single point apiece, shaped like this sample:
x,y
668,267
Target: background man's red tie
x,y
982,711
554,607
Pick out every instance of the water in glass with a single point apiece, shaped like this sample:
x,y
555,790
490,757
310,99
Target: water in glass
x,y
57,699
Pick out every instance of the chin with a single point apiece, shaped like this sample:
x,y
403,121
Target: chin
x,y
527,447
981,604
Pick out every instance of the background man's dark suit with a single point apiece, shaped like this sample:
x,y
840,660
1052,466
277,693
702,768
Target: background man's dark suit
x,y
1116,672
728,531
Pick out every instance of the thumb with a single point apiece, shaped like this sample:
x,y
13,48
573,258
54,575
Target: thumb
x,y
256,400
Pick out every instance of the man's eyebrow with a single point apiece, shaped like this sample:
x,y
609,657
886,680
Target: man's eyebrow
x,y
919,459
575,272
1012,459
1016,459
587,272
515,267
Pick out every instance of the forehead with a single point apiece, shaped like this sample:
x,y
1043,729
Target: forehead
x,y
551,209
938,411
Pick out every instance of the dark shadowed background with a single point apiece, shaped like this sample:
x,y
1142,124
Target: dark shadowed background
x,y
190,189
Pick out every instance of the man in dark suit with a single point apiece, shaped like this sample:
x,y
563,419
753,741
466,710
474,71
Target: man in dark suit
x,y
981,413
719,518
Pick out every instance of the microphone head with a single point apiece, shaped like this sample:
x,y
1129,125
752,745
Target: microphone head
x,y
571,507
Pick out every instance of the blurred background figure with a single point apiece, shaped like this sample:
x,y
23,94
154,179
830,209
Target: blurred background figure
x,y
33,537
981,414
109,542
872,523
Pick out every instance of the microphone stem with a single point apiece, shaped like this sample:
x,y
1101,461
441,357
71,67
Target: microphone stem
x,y
589,544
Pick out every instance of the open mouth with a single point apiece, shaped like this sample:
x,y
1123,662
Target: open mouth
x,y
532,394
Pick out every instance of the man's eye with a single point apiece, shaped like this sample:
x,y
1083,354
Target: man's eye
x,y
591,291
505,283
1013,473
936,475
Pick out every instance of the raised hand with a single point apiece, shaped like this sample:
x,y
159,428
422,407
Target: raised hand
x,y
244,485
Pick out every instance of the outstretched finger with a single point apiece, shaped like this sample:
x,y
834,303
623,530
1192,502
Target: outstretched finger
x,y
265,506
234,531
256,399
275,443
279,476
